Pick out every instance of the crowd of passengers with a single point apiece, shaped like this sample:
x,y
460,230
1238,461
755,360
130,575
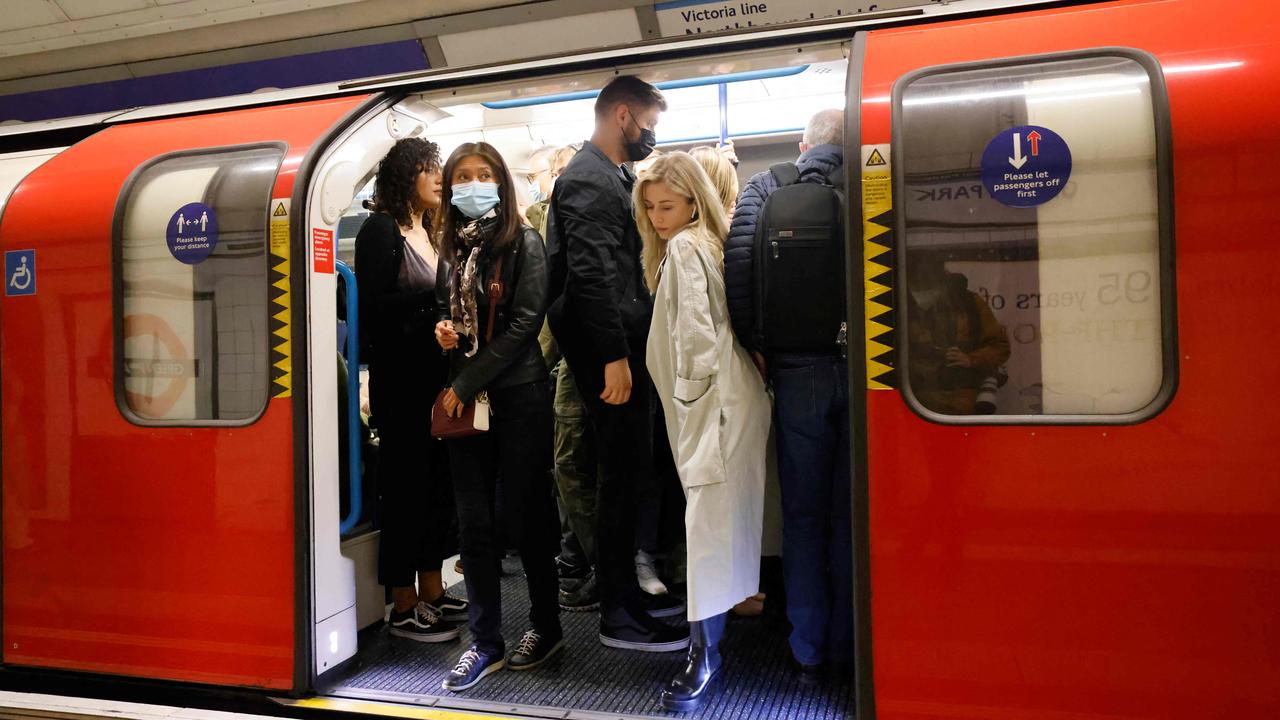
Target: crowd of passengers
x,y
563,323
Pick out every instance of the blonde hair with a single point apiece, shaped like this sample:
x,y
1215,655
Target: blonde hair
x,y
560,158
680,172
721,172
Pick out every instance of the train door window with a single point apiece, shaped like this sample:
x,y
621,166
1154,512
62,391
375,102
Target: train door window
x,y
192,253
1034,240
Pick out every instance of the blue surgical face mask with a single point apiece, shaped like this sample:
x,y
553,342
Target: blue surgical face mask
x,y
475,198
535,192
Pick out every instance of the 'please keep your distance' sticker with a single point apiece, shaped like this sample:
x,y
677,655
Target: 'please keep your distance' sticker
x,y
192,233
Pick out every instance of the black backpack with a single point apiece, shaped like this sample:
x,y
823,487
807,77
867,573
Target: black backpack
x,y
800,265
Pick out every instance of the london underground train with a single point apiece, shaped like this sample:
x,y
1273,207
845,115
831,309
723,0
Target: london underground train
x,y
1090,530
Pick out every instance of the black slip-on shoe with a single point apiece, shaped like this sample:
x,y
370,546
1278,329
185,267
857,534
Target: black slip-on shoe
x,y
625,630
661,605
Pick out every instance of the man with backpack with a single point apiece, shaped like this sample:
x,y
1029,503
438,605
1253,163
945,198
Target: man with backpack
x,y
784,276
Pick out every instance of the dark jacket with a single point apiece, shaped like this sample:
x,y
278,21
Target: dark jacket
x,y
397,328
601,307
388,317
512,356
739,277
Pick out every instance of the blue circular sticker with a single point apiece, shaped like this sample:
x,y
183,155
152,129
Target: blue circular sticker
x,y
1026,166
192,233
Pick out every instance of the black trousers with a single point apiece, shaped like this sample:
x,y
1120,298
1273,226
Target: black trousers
x,y
625,450
517,447
416,514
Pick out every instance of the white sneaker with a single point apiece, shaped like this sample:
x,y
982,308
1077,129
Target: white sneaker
x,y
647,575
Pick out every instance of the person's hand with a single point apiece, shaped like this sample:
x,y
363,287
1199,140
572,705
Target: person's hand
x,y
452,405
446,335
728,152
617,382
758,359
958,358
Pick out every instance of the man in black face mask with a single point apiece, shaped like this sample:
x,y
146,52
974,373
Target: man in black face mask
x,y
600,311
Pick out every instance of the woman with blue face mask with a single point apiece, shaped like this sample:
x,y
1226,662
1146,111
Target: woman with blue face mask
x,y
491,259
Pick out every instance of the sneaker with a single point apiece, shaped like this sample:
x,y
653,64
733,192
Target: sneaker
x,y
471,669
810,675
567,570
421,624
579,595
647,574
450,608
661,605
534,649
625,630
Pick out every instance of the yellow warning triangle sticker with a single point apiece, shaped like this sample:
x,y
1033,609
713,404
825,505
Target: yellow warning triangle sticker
x,y
875,159
280,211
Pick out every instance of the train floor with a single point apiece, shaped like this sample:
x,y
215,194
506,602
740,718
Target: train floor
x,y
589,680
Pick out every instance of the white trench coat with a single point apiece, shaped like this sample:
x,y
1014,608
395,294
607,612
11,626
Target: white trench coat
x,y
718,415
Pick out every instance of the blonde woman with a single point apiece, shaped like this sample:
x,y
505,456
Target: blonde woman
x,y
722,173
716,408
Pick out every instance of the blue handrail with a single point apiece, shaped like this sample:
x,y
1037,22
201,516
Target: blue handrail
x,y
664,85
352,355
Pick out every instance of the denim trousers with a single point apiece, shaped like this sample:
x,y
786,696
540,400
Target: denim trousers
x,y
517,447
811,418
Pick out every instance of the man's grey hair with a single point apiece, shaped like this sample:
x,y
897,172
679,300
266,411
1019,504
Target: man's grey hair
x,y
826,127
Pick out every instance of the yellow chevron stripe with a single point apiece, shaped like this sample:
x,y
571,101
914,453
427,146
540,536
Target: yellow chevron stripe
x,y
283,385
877,199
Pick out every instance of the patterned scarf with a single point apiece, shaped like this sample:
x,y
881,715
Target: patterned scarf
x,y
473,242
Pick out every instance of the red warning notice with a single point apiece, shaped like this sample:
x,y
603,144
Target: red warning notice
x,y
322,250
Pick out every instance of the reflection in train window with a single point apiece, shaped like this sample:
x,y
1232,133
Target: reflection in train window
x,y
191,234
1032,239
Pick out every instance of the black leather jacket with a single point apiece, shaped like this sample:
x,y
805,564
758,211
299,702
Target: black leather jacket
x,y
601,308
512,357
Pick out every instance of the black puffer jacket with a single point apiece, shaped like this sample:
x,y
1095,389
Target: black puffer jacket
x,y
512,356
814,166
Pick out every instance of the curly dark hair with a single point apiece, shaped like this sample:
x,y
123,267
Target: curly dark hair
x,y
395,188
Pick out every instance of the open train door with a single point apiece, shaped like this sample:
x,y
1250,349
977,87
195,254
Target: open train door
x,y
1052,532
154,442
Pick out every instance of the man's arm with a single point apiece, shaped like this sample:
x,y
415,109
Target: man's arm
x,y
593,227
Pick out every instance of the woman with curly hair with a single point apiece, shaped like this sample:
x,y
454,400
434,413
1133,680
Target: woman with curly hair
x,y
396,270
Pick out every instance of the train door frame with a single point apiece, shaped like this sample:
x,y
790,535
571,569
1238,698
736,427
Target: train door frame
x,y
306,516
331,568
856,338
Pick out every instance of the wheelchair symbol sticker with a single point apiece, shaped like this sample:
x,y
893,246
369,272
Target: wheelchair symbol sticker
x,y
20,272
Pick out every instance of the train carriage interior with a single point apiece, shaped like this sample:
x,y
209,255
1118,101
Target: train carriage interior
x,y
758,101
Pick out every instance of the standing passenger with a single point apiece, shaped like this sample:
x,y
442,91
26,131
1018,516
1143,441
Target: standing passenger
x,y
715,403
488,257
396,270
811,396
600,319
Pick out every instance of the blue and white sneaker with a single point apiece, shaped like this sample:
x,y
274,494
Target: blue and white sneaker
x,y
471,669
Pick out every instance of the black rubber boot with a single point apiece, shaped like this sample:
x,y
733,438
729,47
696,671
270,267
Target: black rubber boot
x,y
693,683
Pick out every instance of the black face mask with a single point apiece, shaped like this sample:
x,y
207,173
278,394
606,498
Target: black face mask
x,y
640,149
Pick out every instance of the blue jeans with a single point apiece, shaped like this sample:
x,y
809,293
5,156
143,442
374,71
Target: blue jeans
x,y
811,417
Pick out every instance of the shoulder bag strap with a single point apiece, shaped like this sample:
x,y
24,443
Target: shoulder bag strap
x,y
496,290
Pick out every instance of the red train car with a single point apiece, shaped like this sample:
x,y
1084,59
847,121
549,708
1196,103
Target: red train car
x,y
1086,528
